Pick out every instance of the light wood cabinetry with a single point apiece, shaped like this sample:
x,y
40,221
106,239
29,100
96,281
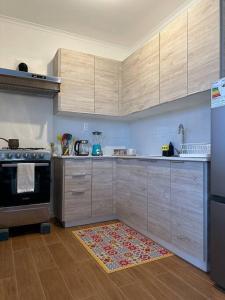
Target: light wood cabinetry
x,y
102,187
149,74
77,190
107,74
173,59
159,203
122,190
131,205
203,45
165,200
77,89
187,202
140,78
83,190
185,57
130,83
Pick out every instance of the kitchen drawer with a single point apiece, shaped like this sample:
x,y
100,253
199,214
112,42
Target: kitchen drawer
x,y
77,205
77,183
80,166
101,164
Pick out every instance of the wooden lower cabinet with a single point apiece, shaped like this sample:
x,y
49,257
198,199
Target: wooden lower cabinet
x,y
77,205
187,204
159,200
131,200
165,200
83,190
102,187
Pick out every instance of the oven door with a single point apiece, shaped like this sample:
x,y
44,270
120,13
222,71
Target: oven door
x,y
8,185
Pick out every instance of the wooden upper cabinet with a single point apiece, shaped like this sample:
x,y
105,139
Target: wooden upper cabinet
x,y
203,45
130,84
140,78
149,74
107,72
77,89
173,59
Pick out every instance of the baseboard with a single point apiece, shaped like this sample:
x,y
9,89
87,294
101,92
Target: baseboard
x,y
91,220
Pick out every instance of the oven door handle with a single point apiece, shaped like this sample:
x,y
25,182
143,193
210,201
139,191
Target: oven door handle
x,y
15,165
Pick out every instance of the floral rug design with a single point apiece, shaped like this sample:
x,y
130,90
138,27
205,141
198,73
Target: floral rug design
x,y
116,246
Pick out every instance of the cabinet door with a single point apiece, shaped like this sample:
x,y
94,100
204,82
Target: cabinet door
x,y
149,75
102,187
130,83
131,191
122,190
77,88
173,60
138,202
159,205
203,45
187,202
107,74
77,189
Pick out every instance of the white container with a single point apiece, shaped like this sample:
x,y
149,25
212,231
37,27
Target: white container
x,y
131,152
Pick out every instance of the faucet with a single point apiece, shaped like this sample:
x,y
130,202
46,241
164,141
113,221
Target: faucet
x,y
181,131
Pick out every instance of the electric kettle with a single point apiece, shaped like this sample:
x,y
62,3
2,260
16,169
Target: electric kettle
x,y
81,148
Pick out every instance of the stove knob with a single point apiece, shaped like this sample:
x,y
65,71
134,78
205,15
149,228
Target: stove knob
x,y
26,155
18,155
9,155
41,155
34,155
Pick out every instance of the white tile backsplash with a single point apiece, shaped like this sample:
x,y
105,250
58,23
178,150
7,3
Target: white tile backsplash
x,y
31,120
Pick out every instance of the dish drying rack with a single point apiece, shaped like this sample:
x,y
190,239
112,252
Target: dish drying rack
x,y
195,150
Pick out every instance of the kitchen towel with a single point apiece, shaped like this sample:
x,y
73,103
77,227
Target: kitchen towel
x,y
25,177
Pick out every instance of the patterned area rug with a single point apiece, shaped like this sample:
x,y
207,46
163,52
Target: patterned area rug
x,y
117,246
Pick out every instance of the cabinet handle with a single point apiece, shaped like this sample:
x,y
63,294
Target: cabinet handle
x,y
78,192
177,161
182,238
79,175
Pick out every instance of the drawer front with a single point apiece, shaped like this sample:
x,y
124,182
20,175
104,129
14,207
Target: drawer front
x,y
101,164
77,183
80,166
77,205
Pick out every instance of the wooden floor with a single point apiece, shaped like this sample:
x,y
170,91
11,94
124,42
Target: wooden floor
x,y
56,266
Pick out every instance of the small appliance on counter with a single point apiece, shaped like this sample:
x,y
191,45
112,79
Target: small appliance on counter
x,y
81,148
12,143
97,141
168,150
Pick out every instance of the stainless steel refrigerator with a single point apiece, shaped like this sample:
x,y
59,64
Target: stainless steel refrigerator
x,y
217,197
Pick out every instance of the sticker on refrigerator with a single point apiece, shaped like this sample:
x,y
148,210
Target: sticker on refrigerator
x,y
218,93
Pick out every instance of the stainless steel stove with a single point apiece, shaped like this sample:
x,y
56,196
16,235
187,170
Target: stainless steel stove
x,y
24,208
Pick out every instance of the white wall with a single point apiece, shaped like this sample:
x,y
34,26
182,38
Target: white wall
x,y
37,45
149,134
31,118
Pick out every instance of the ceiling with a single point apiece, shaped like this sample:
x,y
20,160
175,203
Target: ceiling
x,y
121,22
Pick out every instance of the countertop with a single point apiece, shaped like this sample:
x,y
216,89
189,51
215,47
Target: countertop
x,y
145,157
